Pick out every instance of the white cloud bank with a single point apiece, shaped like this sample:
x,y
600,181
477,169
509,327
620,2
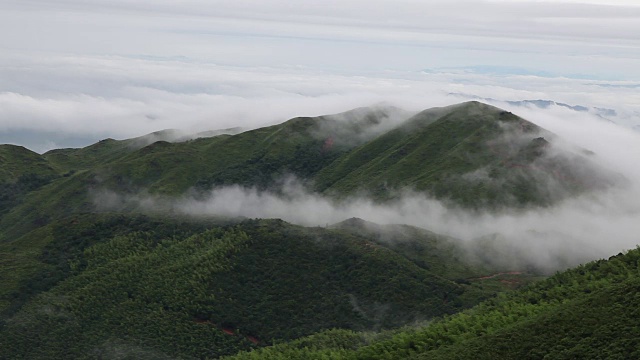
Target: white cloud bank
x,y
99,97
96,69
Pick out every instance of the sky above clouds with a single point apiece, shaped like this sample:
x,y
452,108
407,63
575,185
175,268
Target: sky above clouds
x,y
73,72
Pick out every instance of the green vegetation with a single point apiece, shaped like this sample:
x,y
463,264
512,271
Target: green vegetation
x,y
71,160
204,290
472,154
79,284
587,312
16,161
13,193
260,158
21,172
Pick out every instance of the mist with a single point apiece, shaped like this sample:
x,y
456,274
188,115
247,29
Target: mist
x,y
596,224
69,101
79,72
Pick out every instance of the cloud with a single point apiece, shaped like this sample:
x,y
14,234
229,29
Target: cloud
x,y
96,97
338,34
443,23
98,68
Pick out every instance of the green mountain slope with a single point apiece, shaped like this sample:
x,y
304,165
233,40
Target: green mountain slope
x,y
70,160
260,158
608,329
38,197
471,153
109,150
16,161
41,205
77,283
21,171
192,289
441,254
586,312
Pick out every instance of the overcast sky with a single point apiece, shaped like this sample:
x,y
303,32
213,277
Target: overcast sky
x,y
75,71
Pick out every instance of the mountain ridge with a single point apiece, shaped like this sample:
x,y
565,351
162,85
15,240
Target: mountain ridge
x,y
464,155
82,283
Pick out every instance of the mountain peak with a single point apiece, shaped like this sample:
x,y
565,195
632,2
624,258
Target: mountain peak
x,y
17,160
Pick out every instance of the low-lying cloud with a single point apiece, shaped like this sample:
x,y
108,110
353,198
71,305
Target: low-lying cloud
x,y
64,100
592,225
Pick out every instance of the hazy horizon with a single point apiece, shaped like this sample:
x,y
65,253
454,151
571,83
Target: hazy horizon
x,y
80,71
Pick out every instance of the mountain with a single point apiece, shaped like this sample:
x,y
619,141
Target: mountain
x,y
257,158
109,150
22,172
473,154
89,276
590,312
17,161
184,288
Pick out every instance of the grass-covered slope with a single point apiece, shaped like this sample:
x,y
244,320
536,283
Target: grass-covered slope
x,y
300,146
258,158
43,204
71,160
109,150
474,154
161,286
589,312
16,161
471,154
21,171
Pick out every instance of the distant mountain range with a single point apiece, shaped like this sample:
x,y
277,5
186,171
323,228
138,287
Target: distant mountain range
x,y
631,120
544,104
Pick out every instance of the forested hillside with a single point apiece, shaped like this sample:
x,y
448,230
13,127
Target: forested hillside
x,y
88,275
590,312
204,290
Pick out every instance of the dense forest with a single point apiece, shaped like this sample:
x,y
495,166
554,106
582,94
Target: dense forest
x,y
589,312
